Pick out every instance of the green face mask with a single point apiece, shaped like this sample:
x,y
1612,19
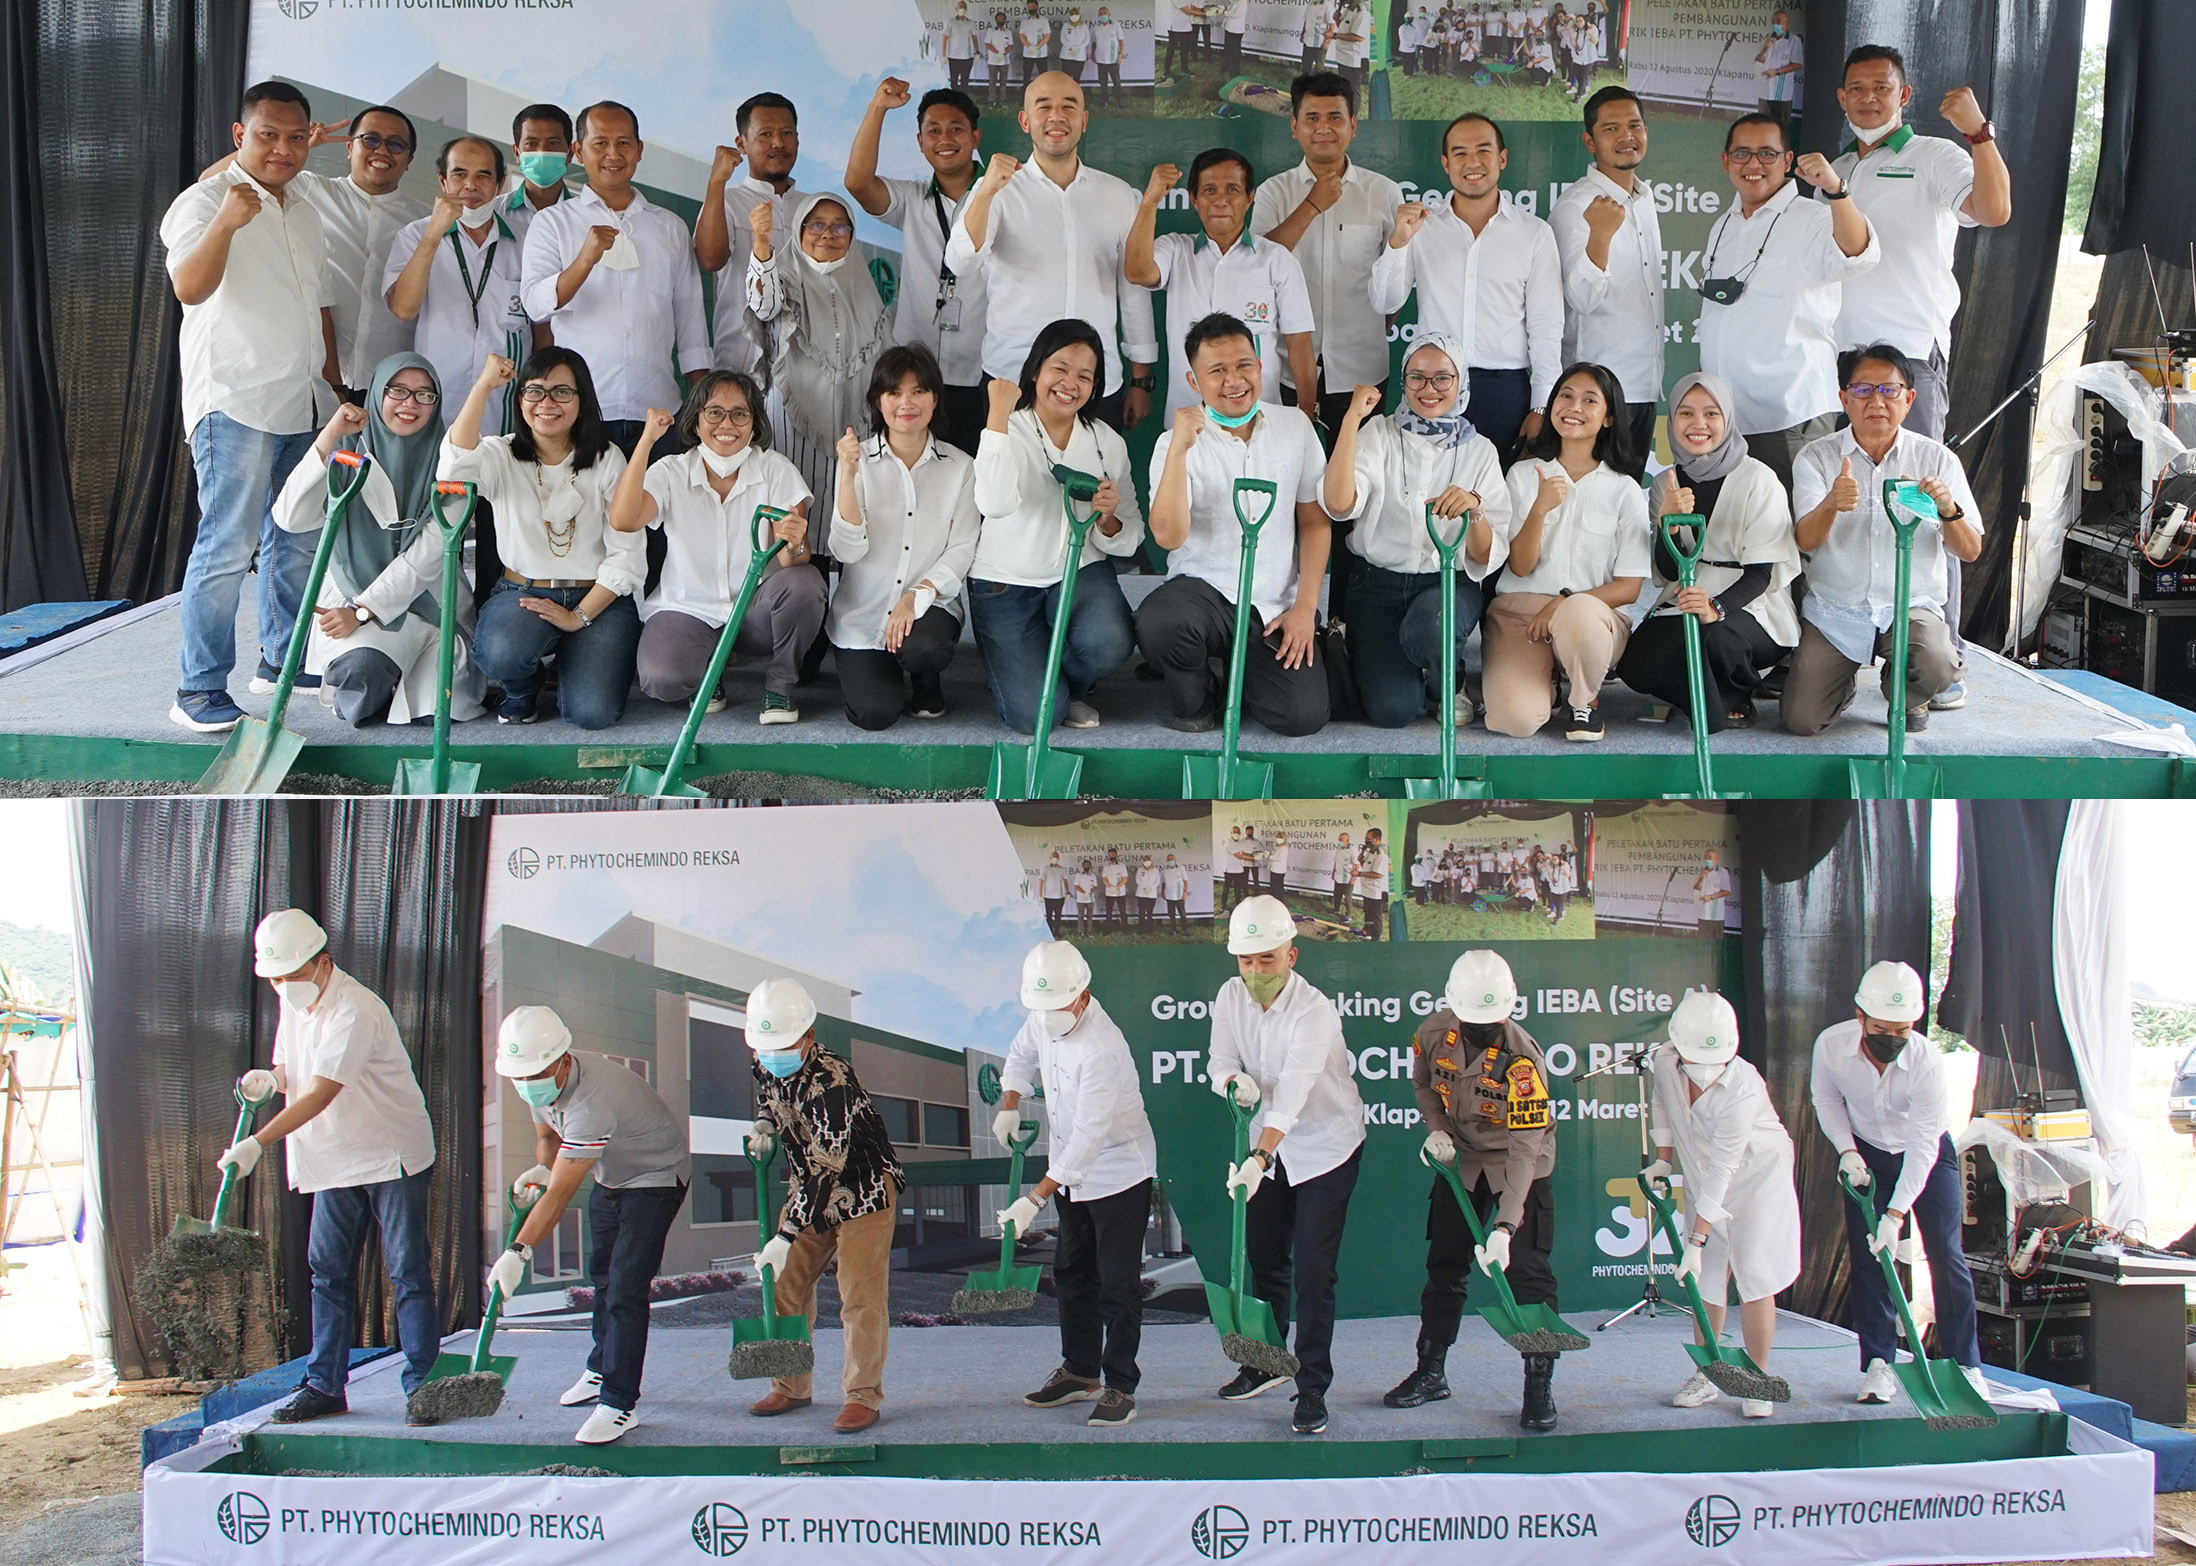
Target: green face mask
x,y
540,1092
1265,988
541,169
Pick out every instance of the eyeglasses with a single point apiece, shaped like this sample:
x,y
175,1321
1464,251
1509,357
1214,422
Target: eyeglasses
x,y
426,399
374,141
1419,380
1890,391
534,391
738,418
1762,155
829,230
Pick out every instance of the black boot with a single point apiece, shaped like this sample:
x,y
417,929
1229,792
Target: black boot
x,y
1429,1383
1538,1411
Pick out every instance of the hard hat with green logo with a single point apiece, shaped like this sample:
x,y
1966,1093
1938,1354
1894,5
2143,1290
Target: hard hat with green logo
x,y
1890,992
1704,1028
1259,924
779,1015
1053,974
1481,987
531,1040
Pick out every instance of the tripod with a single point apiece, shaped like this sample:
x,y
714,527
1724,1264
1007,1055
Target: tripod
x,y
1650,1298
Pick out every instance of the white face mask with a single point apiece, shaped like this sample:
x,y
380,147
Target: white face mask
x,y
826,267
1882,132
298,994
1706,1076
723,467
1058,1024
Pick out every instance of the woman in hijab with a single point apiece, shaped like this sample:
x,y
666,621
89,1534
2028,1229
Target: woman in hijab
x,y
377,626
1385,470
1742,593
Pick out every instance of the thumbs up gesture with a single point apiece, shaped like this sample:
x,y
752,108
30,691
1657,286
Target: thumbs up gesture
x,y
1845,494
1677,499
850,450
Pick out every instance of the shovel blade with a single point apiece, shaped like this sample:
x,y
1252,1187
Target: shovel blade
x,y
498,1365
416,775
1243,1316
648,783
1546,1332
785,1329
189,1225
1059,774
1209,777
255,760
1941,1395
1872,779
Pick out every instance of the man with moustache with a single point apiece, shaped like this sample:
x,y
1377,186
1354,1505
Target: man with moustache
x,y
768,141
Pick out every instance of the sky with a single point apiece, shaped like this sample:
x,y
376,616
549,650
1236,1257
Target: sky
x,y
34,846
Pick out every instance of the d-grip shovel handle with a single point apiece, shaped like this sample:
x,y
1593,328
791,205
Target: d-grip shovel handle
x,y
1688,559
763,530
1265,489
1905,504
446,489
1446,548
359,464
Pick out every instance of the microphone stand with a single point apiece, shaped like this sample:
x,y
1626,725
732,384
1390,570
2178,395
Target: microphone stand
x,y
1709,103
1650,1297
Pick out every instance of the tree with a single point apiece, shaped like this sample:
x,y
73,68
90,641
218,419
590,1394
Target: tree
x,y
2081,174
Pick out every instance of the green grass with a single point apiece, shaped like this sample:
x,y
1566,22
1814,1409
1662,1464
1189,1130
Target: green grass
x,y
1103,934
1316,919
1427,97
1457,922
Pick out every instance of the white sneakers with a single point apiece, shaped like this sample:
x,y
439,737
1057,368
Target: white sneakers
x,y
605,1425
1696,1392
1878,1385
584,1390
1756,1408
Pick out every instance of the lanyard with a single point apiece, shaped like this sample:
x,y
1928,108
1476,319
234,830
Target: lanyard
x,y
1715,243
473,293
947,281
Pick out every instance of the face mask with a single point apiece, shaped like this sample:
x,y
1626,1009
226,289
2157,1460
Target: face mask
x,y
1887,129
540,1092
826,267
298,994
541,169
1058,1024
780,1062
723,467
1483,1035
1705,1075
1883,1048
1265,988
1235,423
1777,31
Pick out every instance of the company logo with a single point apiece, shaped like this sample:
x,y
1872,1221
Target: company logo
x,y
1712,1521
720,1529
241,1517
1044,984
298,10
1219,1533
524,864
763,1025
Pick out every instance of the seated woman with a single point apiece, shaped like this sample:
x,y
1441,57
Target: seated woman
x,y
904,534
704,500
568,576
1384,472
1742,593
1014,582
377,627
1578,557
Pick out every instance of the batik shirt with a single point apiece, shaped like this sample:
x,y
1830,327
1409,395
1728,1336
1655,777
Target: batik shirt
x,y
839,1159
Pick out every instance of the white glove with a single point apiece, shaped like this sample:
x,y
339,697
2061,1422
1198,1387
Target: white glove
x,y
1494,1256
1006,1125
256,1086
1440,1147
1688,1263
1855,1169
507,1274
773,1256
243,1158
760,1141
1658,1170
1022,1214
535,1179
1244,1089
1245,1176
1886,1236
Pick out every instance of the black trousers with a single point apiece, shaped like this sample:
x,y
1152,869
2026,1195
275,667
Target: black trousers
x,y
1109,82
1374,907
961,415
1640,416
1449,1263
1098,1271
1186,624
959,71
626,1229
1052,915
874,682
1733,653
1293,1236
1500,400
1178,912
1334,407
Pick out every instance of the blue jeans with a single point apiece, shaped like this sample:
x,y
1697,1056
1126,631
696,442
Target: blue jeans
x,y
332,1249
1395,634
1013,627
240,471
1936,1216
594,665
625,1230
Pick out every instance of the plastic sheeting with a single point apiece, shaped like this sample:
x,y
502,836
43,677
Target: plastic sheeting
x,y
2089,966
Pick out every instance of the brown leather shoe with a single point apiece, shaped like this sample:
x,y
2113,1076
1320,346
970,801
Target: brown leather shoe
x,y
853,1417
778,1403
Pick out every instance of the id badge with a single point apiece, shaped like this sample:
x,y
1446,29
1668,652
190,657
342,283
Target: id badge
x,y
949,315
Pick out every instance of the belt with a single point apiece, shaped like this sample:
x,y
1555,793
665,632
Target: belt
x,y
529,581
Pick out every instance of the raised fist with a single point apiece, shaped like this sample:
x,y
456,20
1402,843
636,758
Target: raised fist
x,y
723,165
1960,108
1409,219
1188,424
1814,168
496,371
1003,396
657,425
850,450
1364,403
1604,217
445,214
601,237
763,220
239,205
1163,179
891,94
998,169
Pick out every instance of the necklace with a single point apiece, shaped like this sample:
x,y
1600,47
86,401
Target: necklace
x,y
561,538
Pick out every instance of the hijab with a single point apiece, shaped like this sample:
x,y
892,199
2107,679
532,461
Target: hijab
x,y
1713,466
829,331
1452,429
363,552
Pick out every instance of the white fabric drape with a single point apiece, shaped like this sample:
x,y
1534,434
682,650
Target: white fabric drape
x,y
100,1307
2089,972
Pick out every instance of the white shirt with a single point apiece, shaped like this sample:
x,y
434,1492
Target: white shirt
x,y
1086,886
1107,42
1598,534
735,349
708,542
1294,1051
1237,17
1101,1138
919,524
1254,280
998,47
1277,862
1075,42
1284,448
1174,882
1750,525
1911,188
359,229
1398,473
252,350
960,39
1025,532
1498,293
1726,1139
1337,252
1313,33
1035,32
1113,876
1897,1110
1776,347
918,317
1349,53
631,325
452,332
1852,578
1052,881
1788,50
1147,880
1713,891
1371,872
1615,312
1049,254
377,1128
598,553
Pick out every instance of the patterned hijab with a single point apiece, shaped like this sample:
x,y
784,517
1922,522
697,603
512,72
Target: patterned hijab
x,y
1452,429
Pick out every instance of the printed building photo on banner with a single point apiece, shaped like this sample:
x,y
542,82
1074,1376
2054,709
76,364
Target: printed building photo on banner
x,y
1498,871
1112,874
1328,860
1665,867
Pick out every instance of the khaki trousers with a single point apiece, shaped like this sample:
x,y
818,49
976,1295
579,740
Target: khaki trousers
x,y
1819,686
864,1248
1517,673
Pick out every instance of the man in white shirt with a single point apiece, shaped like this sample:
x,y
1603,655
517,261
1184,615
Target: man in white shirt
x,y
1113,885
1049,237
1879,1093
1488,274
1711,889
612,274
1370,878
1782,56
1181,47
1277,1045
997,42
1222,268
1611,243
1837,497
360,1145
937,307
1311,36
1174,887
1277,866
1108,47
1189,620
1410,37
769,140
1233,22
1772,278
1052,890
1349,44
958,43
541,141
248,264
1033,35
1148,882
1102,1161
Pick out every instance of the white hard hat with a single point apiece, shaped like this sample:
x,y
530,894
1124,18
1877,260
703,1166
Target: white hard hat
x,y
1481,987
532,1039
1704,1028
1891,991
1053,974
779,1015
286,941
1259,924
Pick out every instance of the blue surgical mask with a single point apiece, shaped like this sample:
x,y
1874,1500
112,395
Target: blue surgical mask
x,y
1235,423
540,1092
780,1062
541,169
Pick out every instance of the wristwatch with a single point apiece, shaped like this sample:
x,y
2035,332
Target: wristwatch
x,y
1506,1226
364,614
1989,132
1262,1156
1839,194
522,1252
1144,382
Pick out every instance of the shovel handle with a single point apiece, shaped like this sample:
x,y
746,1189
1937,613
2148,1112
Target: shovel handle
x,y
1446,548
1496,1275
764,1273
1688,559
1073,482
244,1108
1660,1205
520,1207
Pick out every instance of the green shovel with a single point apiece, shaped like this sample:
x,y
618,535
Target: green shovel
x,y
187,1224
462,1397
1036,770
1731,1369
670,782
260,751
1695,527
1905,504
771,1345
439,774
1011,1287
1939,1388
1447,785
1530,1329
1249,1335
1228,775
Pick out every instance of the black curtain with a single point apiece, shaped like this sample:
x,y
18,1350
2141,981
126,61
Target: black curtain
x,y
2023,58
107,109
1827,889
2144,194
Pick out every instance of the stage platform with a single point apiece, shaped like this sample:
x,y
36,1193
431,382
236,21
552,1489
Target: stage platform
x,y
96,711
